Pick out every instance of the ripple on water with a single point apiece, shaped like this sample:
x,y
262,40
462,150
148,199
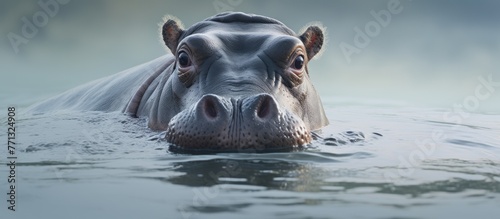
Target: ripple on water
x,y
345,138
467,143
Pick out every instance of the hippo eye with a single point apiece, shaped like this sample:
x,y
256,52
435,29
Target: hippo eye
x,y
183,59
298,63
295,71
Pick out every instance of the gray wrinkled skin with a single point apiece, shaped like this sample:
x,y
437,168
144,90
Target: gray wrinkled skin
x,y
234,83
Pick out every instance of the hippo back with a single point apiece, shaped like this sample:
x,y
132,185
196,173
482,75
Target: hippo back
x,y
107,94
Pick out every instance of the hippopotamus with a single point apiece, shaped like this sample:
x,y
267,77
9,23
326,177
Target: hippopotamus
x,y
233,82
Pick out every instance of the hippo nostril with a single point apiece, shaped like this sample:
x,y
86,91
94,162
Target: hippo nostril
x,y
264,108
209,108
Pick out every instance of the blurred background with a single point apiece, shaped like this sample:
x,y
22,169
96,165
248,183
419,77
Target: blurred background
x,y
430,53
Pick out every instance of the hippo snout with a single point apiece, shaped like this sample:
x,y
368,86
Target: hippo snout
x,y
255,124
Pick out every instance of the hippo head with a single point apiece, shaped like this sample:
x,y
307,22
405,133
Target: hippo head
x,y
239,82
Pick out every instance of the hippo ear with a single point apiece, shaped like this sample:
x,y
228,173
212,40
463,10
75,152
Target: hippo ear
x,y
313,40
171,32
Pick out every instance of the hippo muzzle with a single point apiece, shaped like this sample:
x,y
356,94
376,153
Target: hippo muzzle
x,y
251,124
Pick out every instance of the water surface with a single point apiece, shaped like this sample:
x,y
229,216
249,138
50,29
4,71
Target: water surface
x,y
371,162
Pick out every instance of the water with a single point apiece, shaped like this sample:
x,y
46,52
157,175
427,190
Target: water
x,y
371,162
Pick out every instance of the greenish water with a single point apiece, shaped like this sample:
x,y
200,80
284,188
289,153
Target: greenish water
x,y
371,162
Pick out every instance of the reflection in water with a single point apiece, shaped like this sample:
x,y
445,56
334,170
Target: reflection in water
x,y
261,181
266,173
308,177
